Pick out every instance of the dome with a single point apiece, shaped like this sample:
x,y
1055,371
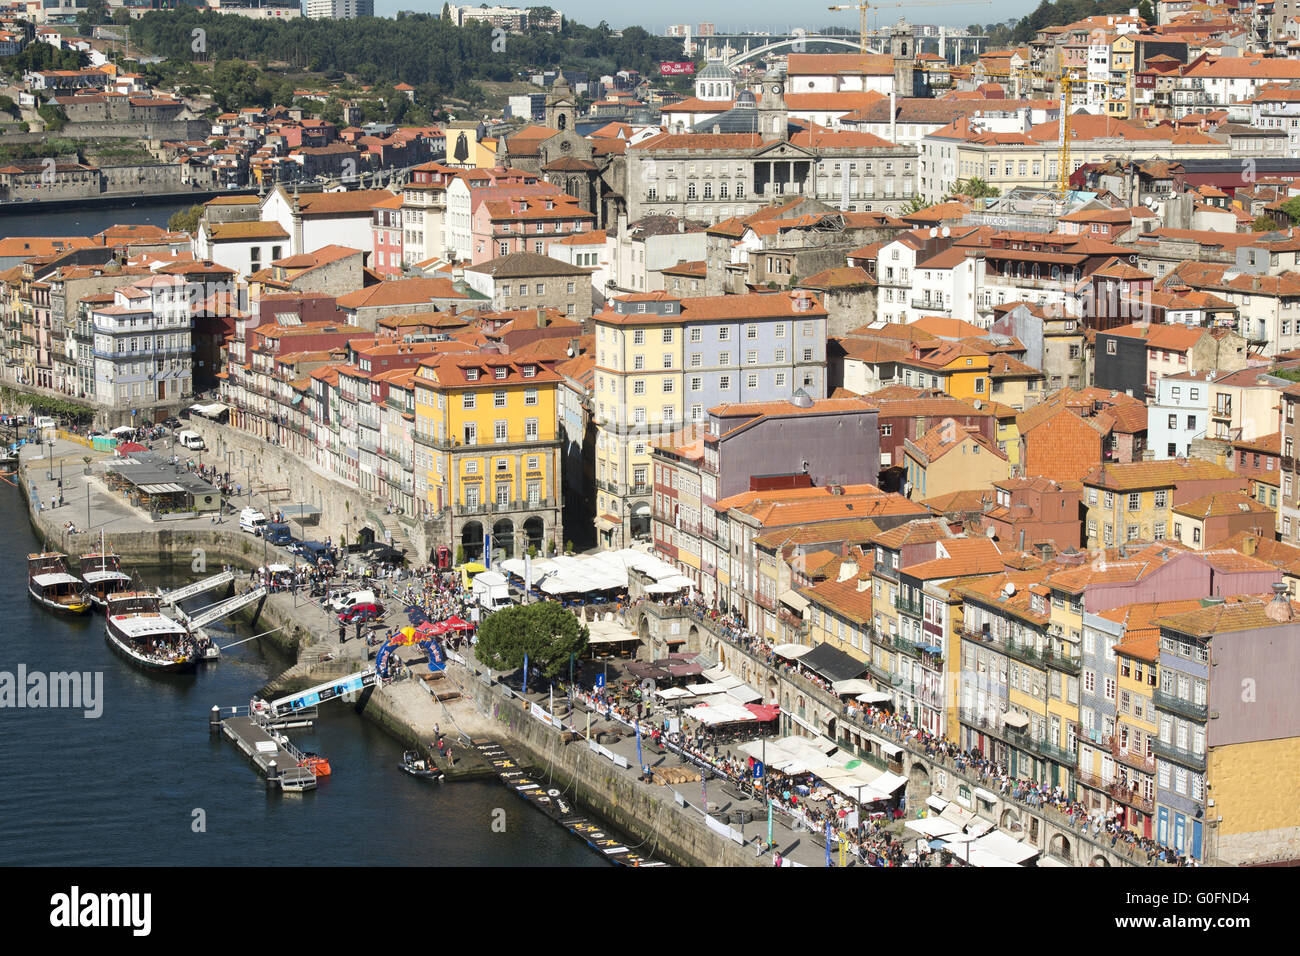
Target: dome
x,y
746,101
715,71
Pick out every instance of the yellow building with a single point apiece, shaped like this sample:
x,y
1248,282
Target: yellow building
x,y
488,451
951,458
960,369
1132,501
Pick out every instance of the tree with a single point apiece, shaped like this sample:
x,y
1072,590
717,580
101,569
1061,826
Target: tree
x,y
1264,224
916,204
185,220
546,632
975,188
1292,209
96,12
1146,13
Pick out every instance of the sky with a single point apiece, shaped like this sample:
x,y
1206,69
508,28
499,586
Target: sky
x,y
758,14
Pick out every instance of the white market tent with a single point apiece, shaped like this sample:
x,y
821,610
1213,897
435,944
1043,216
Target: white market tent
x,y
744,694
932,827
673,693
873,697
720,712
1006,847
791,652
854,686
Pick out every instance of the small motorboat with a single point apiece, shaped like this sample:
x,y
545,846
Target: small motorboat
x,y
318,765
417,766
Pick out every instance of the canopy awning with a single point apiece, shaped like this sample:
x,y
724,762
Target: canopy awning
x,y
673,693
854,685
1005,847
936,803
791,652
874,697
931,826
795,600
832,663
1014,720
985,795
890,750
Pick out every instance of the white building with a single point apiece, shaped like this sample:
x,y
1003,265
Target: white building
x,y
143,344
339,9
1177,415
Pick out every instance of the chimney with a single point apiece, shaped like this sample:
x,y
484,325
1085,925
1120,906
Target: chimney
x,y
1249,545
1279,609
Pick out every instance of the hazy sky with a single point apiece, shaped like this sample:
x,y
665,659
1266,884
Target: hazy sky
x,y
758,14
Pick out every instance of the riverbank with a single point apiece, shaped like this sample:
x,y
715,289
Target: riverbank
x,y
405,710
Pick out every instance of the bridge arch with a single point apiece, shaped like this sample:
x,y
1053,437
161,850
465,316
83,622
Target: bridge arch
x,y
791,41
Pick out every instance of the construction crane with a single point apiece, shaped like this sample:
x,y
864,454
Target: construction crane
x,y
1064,81
862,9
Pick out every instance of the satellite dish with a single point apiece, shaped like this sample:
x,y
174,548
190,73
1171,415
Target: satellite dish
x,y
1009,588
933,232
992,532
946,232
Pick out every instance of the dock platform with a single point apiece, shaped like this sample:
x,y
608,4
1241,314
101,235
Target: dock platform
x,y
265,745
558,807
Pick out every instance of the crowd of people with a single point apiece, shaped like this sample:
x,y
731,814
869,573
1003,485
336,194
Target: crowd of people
x,y
1033,794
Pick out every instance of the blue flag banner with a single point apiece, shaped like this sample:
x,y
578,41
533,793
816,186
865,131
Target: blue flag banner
x,y
525,672
639,762
828,843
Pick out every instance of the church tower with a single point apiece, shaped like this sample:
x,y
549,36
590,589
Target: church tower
x,y
561,108
773,118
903,47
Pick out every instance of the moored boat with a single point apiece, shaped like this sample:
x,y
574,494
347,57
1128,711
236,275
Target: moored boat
x,y
50,584
418,766
136,628
103,574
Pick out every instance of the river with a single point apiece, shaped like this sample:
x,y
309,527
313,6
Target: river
x,y
131,786
87,221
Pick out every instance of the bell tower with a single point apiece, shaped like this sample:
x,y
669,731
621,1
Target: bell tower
x,y
903,48
773,118
560,105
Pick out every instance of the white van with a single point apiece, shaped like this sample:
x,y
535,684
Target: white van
x,y
191,440
45,421
340,604
252,520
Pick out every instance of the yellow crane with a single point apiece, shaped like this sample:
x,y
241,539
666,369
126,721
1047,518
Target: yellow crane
x,y
1064,81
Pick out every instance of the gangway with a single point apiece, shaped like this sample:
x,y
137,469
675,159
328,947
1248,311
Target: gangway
x,y
329,690
174,597
226,608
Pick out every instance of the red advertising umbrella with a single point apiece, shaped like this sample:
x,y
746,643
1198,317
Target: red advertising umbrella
x,y
456,624
437,630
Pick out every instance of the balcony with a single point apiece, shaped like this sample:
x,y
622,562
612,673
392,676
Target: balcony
x,y
910,607
1177,705
1128,757
1178,755
933,308
1130,797
1044,748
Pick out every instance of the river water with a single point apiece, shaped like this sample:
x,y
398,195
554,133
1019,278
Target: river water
x,y
87,221
123,789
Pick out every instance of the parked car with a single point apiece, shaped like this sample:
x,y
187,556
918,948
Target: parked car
x,y
361,612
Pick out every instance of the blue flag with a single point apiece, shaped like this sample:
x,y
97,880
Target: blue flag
x,y
639,762
525,672
828,843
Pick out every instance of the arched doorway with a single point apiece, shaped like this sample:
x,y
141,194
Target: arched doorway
x,y
918,777
471,540
535,533
1059,846
643,629
503,538
1099,860
639,523
693,638
1010,821
773,695
366,536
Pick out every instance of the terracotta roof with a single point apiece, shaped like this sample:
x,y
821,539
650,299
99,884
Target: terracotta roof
x,y
1242,614
1222,504
401,292
1139,475
943,438
843,598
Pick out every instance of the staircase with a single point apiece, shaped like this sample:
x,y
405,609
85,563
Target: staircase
x,y
393,525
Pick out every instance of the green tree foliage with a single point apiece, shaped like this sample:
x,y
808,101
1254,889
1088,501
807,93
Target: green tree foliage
x,y
36,57
916,204
96,12
546,632
1264,224
975,188
1292,209
1065,11
1147,13
417,49
185,220
53,116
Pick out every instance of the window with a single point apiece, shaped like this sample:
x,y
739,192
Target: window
x,y
530,396
668,335
638,337
1134,501
724,333
530,429
500,434
696,335
498,399
668,385
467,400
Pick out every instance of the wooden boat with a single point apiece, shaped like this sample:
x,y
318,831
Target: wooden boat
x,y
50,584
136,628
103,574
